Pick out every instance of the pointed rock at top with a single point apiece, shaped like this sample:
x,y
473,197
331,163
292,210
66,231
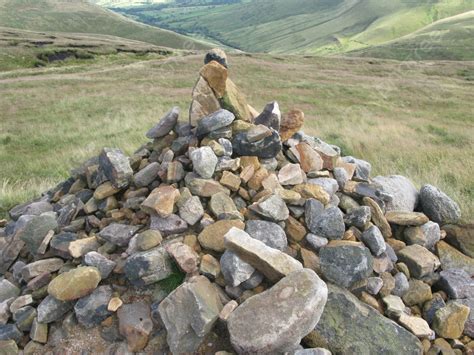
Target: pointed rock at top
x,y
271,116
204,102
234,101
217,55
216,76
165,125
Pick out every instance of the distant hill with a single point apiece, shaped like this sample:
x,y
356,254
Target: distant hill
x,y
322,27
80,16
125,3
448,39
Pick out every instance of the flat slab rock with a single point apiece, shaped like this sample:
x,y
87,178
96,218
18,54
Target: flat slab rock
x,y
277,319
349,326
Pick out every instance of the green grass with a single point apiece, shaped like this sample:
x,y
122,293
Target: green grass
x,y
448,39
79,16
413,119
323,27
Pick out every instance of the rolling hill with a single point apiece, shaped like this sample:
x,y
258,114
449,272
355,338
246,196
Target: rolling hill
x,y
80,16
322,27
450,38
125,3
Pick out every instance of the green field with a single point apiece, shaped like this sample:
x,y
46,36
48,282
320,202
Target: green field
x,y
451,38
413,119
80,16
322,27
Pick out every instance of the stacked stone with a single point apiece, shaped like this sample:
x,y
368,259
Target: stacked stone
x,y
216,236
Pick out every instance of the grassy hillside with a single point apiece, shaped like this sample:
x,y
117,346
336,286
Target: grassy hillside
x,y
126,3
417,121
80,16
451,38
301,26
21,49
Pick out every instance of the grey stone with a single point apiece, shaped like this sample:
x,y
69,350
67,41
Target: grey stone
x,y
10,332
363,168
254,280
189,313
426,235
394,306
257,133
439,207
204,162
5,311
8,290
24,317
41,266
329,185
328,223
135,324
20,302
374,285
270,117
401,285
314,351
92,310
456,283
191,211
345,263
170,225
165,125
404,193
272,208
223,207
373,239
51,309
147,175
267,232
227,145
148,267
214,121
358,217
316,242
266,148
341,176
116,167
234,269
352,327
431,307
30,208
118,234
271,262
104,265
62,241
276,320
35,228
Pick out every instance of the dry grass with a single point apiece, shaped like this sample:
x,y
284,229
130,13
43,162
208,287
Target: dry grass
x,y
415,120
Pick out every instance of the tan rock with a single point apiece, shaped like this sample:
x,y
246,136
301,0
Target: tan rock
x,y
348,167
184,256
105,190
371,301
291,174
253,112
271,183
235,102
378,218
310,160
449,321
239,126
161,201
74,284
290,196
247,173
230,180
416,325
273,263
135,325
313,191
255,182
291,123
419,260
204,102
249,160
403,218
212,237
451,258
114,304
295,230
216,76
310,260
210,266
81,247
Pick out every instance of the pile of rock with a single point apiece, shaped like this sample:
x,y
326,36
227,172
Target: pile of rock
x,y
211,237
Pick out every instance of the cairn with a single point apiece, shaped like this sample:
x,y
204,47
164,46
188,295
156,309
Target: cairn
x,y
235,232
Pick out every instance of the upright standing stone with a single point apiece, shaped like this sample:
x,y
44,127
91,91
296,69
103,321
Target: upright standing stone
x,y
116,167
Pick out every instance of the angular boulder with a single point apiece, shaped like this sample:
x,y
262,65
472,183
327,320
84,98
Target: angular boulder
x,y
276,320
348,326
